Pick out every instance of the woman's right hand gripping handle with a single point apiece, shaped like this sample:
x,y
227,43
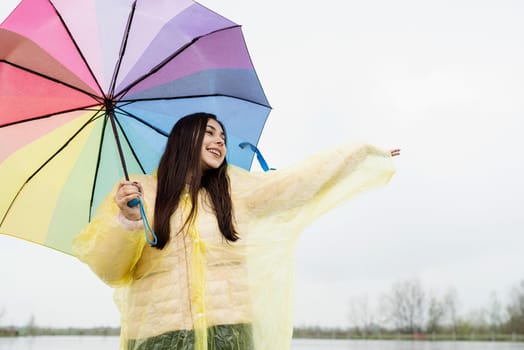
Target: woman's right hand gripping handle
x,y
126,192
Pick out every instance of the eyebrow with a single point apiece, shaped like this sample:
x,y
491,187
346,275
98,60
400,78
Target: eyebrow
x,y
215,129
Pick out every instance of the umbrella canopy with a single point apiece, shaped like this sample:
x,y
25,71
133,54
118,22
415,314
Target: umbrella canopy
x,y
90,89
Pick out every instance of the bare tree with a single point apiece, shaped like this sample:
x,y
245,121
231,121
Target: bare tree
x,y
515,309
406,305
30,328
436,314
361,315
451,304
494,313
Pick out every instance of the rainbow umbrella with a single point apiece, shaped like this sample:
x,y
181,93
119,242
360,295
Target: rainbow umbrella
x,y
89,91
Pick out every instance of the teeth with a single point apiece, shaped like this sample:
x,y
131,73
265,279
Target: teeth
x,y
214,152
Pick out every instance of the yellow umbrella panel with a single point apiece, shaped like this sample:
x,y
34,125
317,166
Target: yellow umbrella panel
x,y
51,186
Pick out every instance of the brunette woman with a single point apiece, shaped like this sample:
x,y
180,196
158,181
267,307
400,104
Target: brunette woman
x,y
220,274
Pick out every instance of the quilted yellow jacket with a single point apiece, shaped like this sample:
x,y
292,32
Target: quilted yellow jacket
x,y
199,280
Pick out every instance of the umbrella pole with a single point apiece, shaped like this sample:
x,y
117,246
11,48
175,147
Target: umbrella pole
x,y
111,113
151,237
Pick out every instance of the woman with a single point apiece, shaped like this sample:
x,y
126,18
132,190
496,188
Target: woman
x,y
220,275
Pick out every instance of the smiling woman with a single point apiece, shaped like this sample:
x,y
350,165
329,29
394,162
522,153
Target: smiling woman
x,y
220,274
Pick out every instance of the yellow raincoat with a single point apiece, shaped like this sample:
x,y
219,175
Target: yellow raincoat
x,y
203,292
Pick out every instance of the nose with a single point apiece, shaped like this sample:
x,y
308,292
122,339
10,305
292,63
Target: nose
x,y
220,141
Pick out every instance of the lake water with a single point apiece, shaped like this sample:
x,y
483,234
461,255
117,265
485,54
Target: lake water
x,y
111,343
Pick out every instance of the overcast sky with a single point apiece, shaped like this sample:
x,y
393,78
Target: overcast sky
x,y
443,80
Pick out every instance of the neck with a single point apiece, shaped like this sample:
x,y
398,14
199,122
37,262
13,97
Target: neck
x,y
189,178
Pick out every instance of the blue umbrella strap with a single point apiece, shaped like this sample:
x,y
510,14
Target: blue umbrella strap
x,y
260,158
147,228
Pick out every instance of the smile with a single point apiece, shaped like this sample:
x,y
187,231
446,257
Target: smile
x,y
215,152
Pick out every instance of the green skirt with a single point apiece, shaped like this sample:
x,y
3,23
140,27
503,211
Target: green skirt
x,y
221,337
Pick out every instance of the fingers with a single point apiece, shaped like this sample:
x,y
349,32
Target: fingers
x,y
127,191
129,188
395,152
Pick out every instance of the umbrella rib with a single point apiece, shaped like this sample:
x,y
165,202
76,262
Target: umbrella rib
x,y
99,159
77,47
131,147
44,164
140,120
95,97
54,114
168,59
97,166
123,47
195,96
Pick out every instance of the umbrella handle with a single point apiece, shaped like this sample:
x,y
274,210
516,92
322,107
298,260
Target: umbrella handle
x,y
133,202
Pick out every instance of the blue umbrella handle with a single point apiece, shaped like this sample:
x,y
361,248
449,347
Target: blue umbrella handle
x,y
260,158
147,228
133,202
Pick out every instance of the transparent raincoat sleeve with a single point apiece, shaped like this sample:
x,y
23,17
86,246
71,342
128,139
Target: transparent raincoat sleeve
x,y
321,182
108,247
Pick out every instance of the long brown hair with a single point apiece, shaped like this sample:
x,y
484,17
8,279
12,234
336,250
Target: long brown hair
x,y
181,157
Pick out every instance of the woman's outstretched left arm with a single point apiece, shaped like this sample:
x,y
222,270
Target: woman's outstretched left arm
x,y
320,182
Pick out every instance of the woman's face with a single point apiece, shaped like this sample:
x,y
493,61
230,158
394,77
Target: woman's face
x,y
213,146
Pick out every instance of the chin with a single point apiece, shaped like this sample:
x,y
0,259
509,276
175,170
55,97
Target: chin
x,y
211,166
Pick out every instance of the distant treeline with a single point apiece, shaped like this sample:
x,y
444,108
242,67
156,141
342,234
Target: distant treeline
x,y
387,334
37,331
298,332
